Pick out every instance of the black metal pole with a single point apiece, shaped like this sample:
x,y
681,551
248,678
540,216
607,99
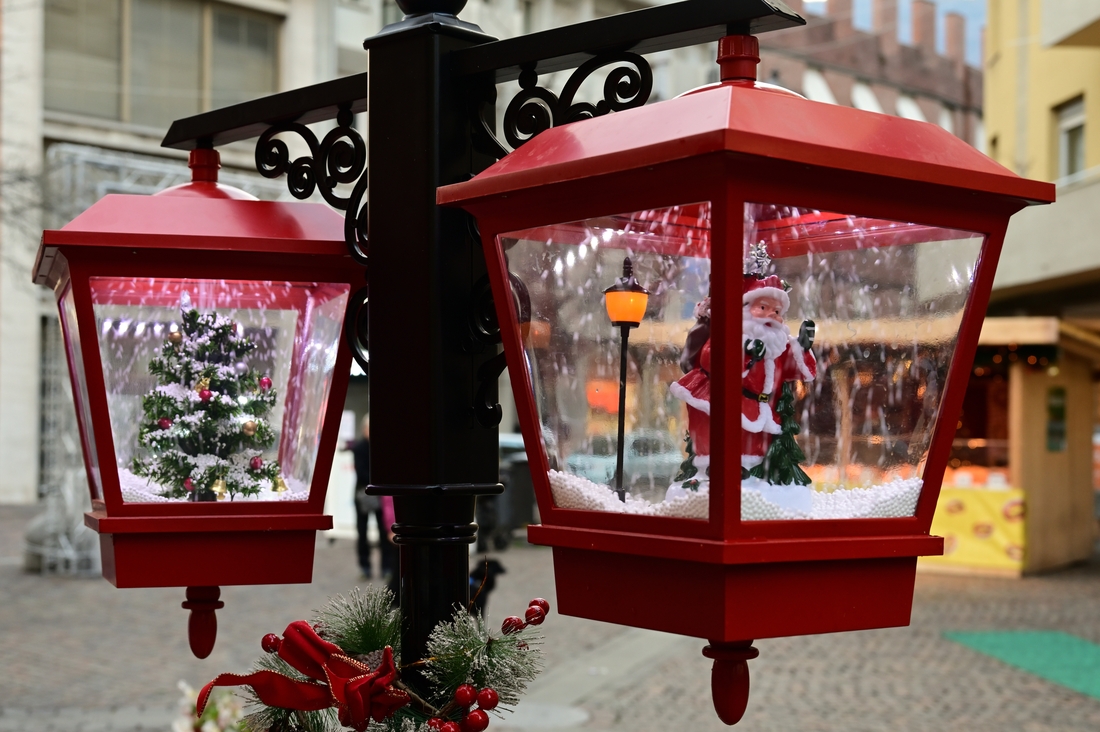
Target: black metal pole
x,y
622,415
427,449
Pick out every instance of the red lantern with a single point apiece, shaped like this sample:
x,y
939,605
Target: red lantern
x,y
204,335
859,250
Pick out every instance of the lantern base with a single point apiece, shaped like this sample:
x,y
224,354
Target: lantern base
x,y
727,603
180,554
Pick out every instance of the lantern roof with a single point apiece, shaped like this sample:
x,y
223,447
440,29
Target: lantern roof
x,y
755,120
183,221
178,222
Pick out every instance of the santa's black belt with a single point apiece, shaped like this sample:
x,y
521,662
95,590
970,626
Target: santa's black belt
x,y
754,396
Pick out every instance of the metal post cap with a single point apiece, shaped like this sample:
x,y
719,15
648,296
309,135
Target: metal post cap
x,y
424,7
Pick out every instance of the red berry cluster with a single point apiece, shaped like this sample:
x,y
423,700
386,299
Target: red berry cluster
x,y
476,720
537,610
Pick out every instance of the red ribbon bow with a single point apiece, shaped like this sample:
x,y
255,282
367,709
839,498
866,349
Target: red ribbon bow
x,y
359,693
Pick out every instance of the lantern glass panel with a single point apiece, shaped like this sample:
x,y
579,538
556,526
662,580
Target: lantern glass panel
x,y
216,388
573,354
67,309
887,298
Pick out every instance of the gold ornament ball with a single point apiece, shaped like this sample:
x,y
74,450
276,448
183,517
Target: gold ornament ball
x,y
175,337
249,428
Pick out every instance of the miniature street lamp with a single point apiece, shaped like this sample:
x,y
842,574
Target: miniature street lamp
x,y
792,470
625,302
203,330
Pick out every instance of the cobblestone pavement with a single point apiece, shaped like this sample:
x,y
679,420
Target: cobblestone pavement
x,y
80,655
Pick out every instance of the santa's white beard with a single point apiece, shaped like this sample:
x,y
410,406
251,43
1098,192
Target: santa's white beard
x,y
774,335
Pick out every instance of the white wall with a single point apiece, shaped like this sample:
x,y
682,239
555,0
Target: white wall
x,y
20,226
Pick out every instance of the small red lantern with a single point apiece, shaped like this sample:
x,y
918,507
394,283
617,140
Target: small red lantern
x,y
782,467
204,332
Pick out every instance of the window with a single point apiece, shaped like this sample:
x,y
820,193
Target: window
x,y
863,97
908,108
947,119
816,88
1071,137
149,62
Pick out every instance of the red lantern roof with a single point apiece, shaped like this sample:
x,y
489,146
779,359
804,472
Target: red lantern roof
x,y
754,120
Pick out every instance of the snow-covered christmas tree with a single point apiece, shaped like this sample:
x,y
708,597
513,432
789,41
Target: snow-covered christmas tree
x,y
205,424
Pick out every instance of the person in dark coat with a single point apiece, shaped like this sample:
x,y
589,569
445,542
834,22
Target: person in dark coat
x,y
364,505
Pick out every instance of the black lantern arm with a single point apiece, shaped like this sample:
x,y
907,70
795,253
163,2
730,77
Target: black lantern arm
x,y
644,31
244,121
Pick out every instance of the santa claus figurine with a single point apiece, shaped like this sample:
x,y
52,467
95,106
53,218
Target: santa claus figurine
x,y
770,358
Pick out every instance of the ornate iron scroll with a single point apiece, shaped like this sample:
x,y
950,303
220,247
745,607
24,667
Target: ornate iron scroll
x,y
536,109
340,158
356,327
486,329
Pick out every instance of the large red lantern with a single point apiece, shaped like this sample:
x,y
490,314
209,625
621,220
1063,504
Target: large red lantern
x,y
204,334
817,279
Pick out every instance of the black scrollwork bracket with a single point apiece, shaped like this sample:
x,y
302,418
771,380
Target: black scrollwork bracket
x,y
486,329
536,109
339,159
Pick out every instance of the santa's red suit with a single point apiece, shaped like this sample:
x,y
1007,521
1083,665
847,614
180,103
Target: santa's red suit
x,y
762,379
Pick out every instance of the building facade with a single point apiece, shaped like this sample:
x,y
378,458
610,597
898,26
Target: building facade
x,y
88,88
1042,61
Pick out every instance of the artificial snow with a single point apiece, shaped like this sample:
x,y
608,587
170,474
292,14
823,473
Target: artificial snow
x,y
136,489
573,491
760,501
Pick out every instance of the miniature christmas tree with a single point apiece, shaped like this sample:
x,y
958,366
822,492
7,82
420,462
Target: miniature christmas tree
x,y
687,468
781,462
205,426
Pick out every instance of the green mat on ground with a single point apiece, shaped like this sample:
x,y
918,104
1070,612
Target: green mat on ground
x,y
1052,655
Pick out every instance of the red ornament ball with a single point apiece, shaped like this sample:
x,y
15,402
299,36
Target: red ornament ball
x,y
435,723
164,423
256,463
512,624
465,695
265,383
538,601
271,642
475,721
488,699
188,485
450,727
535,615
205,395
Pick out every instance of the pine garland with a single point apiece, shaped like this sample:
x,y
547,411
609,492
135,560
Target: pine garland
x,y
460,652
188,442
465,652
362,622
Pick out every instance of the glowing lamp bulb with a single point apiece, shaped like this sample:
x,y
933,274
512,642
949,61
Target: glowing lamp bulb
x,y
626,300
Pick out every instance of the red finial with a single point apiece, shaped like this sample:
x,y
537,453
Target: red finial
x,y
738,56
204,163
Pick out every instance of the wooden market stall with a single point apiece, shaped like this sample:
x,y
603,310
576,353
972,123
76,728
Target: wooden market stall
x,y
1018,493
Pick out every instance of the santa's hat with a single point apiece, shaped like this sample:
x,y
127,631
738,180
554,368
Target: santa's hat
x,y
770,286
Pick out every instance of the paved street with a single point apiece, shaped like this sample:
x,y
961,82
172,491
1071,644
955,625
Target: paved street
x,y
81,655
